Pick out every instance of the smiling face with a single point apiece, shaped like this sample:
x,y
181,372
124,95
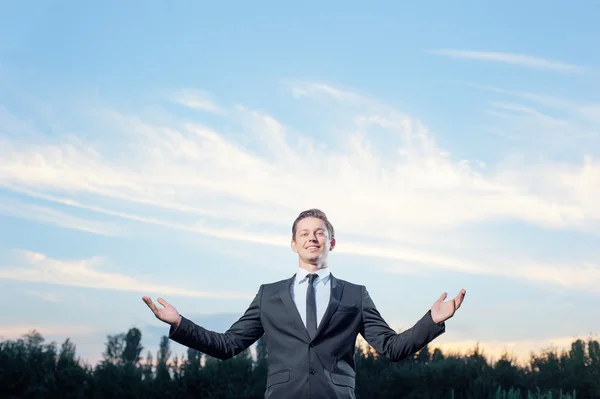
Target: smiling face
x,y
312,242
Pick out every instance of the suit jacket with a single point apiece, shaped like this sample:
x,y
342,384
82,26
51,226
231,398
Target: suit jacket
x,y
301,367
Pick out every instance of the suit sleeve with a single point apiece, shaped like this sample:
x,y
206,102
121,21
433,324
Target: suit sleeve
x,y
243,333
386,341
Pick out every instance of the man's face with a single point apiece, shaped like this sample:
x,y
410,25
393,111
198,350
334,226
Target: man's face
x,y
312,242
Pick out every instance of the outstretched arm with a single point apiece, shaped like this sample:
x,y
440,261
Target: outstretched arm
x,y
397,347
243,333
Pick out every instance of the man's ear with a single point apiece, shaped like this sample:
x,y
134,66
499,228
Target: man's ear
x,y
294,246
332,244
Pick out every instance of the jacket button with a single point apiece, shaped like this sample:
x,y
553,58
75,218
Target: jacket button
x,y
311,371
311,345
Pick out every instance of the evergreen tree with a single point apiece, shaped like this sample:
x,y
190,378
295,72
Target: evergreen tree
x,y
115,346
31,368
133,347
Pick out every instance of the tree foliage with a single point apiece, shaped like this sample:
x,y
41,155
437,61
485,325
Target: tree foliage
x,y
32,368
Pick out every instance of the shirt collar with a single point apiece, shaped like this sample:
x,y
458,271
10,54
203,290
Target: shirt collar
x,y
322,273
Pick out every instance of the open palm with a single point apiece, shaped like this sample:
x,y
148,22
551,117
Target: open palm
x,y
442,311
167,313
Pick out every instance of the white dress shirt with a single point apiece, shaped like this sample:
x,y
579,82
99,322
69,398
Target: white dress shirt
x,y
322,292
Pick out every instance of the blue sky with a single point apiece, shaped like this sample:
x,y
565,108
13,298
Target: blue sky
x,y
148,149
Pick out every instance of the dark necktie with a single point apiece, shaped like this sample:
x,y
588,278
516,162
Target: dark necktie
x,y
311,306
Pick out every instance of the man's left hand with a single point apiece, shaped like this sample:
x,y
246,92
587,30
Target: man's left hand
x,y
442,311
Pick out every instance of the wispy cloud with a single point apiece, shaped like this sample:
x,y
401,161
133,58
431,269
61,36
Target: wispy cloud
x,y
198,100
313,89
47,330
583,275
48,215
549,131
545,126
388,185
36,267
511,58
581,110
169,180
45,296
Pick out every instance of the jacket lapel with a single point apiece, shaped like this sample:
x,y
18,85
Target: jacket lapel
x,y
286,296
337,287
334,300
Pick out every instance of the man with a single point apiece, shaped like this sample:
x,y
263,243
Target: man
x,y
310,322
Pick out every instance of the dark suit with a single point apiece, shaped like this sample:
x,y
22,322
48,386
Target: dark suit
x,y
298,366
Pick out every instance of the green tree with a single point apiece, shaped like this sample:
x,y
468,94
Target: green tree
x,y
115,346
163,383
31,368
133,347
71,377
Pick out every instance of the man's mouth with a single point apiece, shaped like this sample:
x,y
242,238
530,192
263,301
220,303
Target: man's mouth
x,y
312,247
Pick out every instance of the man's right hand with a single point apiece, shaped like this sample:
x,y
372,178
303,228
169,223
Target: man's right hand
x,y
168,313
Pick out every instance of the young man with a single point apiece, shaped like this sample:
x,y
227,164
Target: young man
x,y
310,322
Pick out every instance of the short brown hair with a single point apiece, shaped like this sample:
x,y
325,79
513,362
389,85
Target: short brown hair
x,y
313,213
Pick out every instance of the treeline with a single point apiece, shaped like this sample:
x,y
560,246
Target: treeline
x,y
31,368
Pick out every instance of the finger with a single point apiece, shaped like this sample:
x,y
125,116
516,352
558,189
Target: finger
x,y
459,298
457,305
163,302
150,304
147,301
442,297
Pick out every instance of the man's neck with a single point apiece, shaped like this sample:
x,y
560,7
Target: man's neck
x,y
313,268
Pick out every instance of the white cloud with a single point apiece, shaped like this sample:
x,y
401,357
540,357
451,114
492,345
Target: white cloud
x,y
39,268
45,296
347,181
585,275
48,215
583,116
197,99
510,58
388,182
312,89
